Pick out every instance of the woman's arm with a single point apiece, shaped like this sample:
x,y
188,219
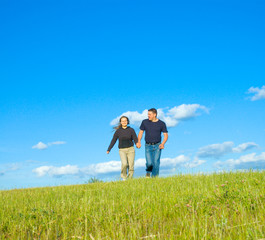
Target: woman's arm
x,y
135,139
113,141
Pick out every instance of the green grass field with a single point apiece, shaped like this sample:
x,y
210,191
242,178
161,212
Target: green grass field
x,y
216,206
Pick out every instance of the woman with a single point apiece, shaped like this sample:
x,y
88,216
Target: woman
x,y
126,136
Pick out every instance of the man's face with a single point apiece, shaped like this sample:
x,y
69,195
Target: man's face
x,y
151,116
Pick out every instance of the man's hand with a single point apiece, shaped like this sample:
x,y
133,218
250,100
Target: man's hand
x,y
138,144
107,152
161,146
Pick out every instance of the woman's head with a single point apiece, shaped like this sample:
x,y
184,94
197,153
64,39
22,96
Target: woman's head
x,y
123,122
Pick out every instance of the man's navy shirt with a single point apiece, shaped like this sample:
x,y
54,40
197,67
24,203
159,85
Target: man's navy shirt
x,y
153,130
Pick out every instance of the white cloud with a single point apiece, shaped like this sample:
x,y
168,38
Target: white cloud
x,y
103,168
244,147
172,117
42,171
134,117
139,163
57,171
42,146
112,167
259,93
248,161
173,162
166,164
186,111
169,120
220,149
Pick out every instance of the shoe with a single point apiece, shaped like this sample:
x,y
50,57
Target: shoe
x,y
147,175
124,179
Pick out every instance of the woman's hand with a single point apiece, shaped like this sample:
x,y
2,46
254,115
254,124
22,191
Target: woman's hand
x,y
107,152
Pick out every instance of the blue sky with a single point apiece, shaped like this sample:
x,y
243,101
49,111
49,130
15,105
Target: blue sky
x,y
70,68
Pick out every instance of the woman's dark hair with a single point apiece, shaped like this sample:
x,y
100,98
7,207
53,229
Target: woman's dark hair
x,y
119,126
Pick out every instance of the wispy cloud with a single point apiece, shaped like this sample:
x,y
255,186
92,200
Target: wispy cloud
x,y
195,163
249,161
56,143
220,149
113,167
259,93
244,147
42,146
170,116
10,168
215,150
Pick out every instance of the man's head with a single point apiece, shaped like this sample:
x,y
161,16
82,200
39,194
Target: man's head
x,y
152,114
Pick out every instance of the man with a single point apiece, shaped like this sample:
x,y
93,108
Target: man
x,y
153,146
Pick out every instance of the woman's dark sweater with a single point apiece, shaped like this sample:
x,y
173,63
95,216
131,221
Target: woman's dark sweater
x,y
126,137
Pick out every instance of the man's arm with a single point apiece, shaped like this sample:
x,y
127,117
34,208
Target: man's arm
x,y
140,135
162,145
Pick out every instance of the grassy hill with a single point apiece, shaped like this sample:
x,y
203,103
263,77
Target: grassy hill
x,y
216,206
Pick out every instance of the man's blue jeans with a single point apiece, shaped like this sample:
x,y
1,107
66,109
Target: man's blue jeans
x,y
152,155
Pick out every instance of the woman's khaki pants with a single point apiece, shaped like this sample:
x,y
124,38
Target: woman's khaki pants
x,y
127,161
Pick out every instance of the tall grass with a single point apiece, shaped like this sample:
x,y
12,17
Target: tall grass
x,y
216,206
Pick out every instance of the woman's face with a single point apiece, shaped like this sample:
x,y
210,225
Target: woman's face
x,y
124,122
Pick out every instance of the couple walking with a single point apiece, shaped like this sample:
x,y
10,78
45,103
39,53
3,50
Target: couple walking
x,y
153,127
